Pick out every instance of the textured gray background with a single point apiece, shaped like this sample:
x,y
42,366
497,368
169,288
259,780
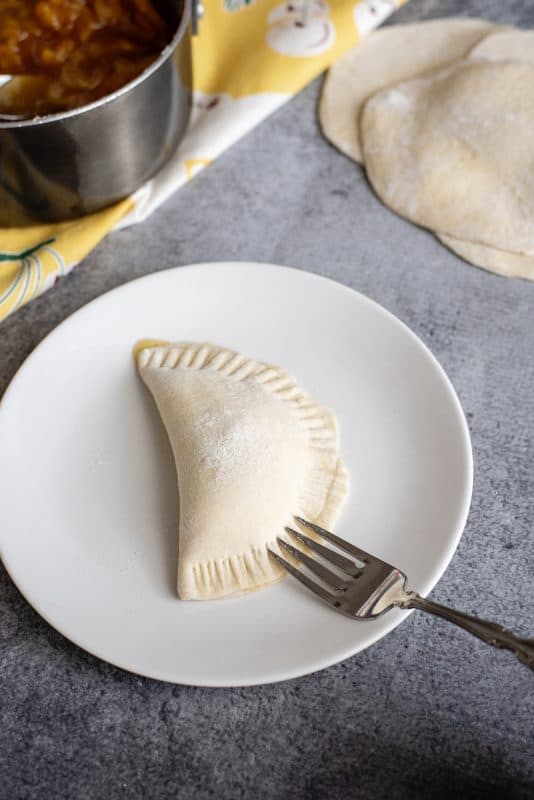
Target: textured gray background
x,y
425,713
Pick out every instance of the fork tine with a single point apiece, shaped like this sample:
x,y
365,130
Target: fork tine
x,y
345,564
326,575
361,555
311,585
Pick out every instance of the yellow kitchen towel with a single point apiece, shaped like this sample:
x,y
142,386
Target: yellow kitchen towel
x,y
249,58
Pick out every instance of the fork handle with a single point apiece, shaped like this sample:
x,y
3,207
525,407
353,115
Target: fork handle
x,y
489,632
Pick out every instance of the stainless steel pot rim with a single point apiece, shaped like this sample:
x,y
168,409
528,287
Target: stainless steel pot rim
x,y
163,56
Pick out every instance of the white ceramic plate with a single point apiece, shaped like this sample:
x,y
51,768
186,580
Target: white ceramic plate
x,y
89,508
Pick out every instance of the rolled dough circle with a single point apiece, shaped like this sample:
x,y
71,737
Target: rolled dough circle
x,y
500,46
511,265
509,45
385,57
451,151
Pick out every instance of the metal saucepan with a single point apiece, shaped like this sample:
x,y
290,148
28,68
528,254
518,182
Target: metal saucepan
x,y
65,165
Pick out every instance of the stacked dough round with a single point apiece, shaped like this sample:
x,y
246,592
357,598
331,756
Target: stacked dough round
x,y
441,114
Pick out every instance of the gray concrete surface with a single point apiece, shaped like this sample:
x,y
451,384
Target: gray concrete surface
x,y
425,713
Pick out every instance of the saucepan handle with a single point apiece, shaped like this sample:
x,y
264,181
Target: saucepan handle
x,y
197,12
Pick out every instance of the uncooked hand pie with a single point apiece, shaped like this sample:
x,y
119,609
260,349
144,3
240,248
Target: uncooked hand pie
x,y
252,450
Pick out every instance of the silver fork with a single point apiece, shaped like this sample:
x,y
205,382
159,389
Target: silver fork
x,y
365,587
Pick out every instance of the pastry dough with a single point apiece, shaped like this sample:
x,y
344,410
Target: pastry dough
x,y
507,45
452,151
511,265
251,450
502,46
401,52
383,58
